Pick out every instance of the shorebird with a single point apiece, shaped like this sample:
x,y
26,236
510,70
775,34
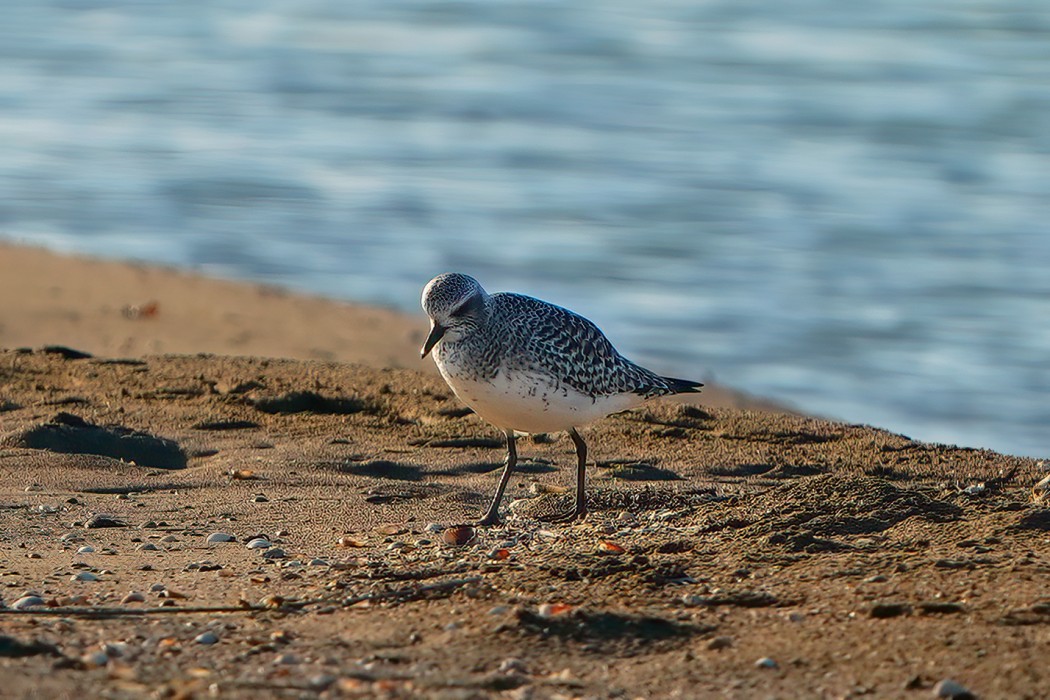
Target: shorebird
x,y
528,366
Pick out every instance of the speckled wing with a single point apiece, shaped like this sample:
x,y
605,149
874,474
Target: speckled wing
x,y
570,348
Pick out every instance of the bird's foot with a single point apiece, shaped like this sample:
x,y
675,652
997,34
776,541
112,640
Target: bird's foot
x,y
572,516
490,520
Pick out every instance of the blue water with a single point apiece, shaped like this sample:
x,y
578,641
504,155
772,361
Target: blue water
x,y
839,205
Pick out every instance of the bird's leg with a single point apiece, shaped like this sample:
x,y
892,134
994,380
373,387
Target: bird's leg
x,y
492,515
581,476
581,473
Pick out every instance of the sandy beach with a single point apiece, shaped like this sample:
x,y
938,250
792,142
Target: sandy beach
x,y
219,489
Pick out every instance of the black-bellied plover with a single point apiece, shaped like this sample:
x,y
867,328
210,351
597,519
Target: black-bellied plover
x,y
528,366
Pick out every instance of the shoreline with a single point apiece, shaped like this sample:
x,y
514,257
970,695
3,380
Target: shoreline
x,y
130,309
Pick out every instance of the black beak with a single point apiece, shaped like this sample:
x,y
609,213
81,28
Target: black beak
x,y
436,331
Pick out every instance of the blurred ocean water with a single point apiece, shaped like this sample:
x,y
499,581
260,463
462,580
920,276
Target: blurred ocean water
x,y
840,205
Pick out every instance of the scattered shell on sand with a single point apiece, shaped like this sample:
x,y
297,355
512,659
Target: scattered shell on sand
x,y
173,595
765,662
206,638
86,549
949,688
26,602
459,535
552,609
84,576
133,597
258,543
275,553
148,547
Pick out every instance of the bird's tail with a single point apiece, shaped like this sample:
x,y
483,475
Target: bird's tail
x,y
682,386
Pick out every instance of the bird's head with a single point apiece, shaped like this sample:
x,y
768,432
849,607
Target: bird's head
x,y
456,305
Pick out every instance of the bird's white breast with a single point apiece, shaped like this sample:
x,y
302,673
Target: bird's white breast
x,y
530,402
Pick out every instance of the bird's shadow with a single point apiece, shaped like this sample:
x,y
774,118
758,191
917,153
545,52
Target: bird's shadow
x,y
525,467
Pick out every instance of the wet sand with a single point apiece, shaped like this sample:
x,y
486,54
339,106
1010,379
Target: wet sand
x,y
730,552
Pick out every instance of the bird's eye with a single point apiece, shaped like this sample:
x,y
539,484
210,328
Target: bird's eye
x,y
465,308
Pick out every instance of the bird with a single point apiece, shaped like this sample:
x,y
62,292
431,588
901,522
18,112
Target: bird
x,y
528,366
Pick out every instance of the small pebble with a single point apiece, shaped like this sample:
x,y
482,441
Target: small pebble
x,y
513,665
86,549
288,659
34,487
148,547
321,681
258,543
719,643
84,576
259,498
282,533
169,538
133,597
275,553
765,662
206,638
157,588
116,650
949,688
96,521
26,602
318,562
435,527
95,659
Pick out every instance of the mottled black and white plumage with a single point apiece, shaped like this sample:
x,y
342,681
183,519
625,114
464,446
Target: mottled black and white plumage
x,y
529,366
